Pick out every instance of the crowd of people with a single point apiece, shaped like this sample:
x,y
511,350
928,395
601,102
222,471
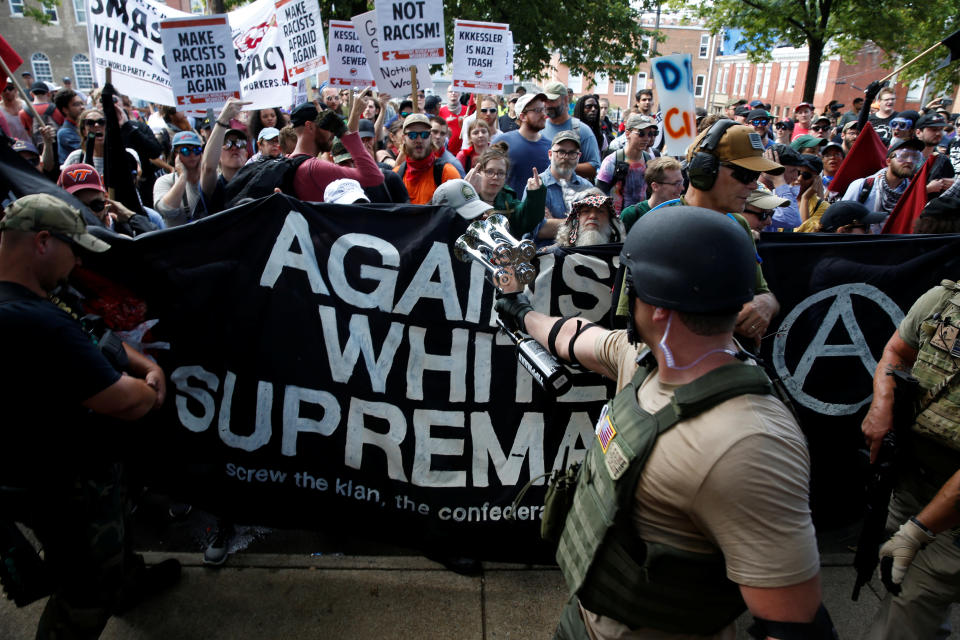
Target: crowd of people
x,y
564,175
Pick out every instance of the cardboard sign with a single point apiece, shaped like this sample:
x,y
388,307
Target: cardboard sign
x,y
304,51
411,30
200,56
390,78
479,60
348,59
674,78
508,63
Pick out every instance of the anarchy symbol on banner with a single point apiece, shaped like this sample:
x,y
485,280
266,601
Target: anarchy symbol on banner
x,y
841,309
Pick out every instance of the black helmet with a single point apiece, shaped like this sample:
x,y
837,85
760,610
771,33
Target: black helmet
x,y
690,259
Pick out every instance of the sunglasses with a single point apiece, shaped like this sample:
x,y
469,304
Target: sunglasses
x,y
806,175
413,135
590,106
901,124
404,114
779,126
235,143
186,151
651,133
741,175
763,215
99,122
97,205
488,110
820,127
761,122
10,88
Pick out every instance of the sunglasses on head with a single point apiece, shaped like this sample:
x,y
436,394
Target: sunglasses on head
x,y
741,175
413,135
98,122
762,214
235,143
186,151
760,122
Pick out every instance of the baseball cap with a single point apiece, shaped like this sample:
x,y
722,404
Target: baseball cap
x,y
741,111
24,145
46,212
802,105
931,120
568,134
638,121
25,74
76,177
758,113
788,156
460,195
366,129
765,200
849,125
40,87
740,145
812,162
268,133
554,90
833,145
416,118
66,79
734,103
754,104
303,113
187,137
432,102
909,143
821,118
807,141
340,152
845,212
786,123
526,99
942,207
344,191
909,114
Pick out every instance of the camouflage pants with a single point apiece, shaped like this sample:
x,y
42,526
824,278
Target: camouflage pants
x,y
82,528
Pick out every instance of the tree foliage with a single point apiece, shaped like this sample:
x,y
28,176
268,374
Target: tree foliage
x,y
900,28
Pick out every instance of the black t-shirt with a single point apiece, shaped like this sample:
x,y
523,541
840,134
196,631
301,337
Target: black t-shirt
x,y
882,127
506,123
50,366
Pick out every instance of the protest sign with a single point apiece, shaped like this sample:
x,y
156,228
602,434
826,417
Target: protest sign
x,y
508,63
674,79
479,60
200,57
390,78
411,30
304,50
348,60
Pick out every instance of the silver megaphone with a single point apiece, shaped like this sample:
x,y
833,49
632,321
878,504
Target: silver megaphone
x,y
499,229
501,252
466,250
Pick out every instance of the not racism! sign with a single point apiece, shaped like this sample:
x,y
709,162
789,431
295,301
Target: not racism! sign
x,y
201,60
411,30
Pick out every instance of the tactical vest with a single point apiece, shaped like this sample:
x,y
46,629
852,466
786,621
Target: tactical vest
x,y
938,360
612,571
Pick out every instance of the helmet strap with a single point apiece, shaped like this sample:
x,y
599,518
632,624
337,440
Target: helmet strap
x,y
668,354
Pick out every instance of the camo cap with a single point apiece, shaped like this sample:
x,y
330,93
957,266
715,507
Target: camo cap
x,y
44,212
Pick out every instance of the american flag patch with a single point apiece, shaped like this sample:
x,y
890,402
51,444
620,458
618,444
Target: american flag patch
x,y
605,433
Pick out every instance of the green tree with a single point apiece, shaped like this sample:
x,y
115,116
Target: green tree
x,y
901,29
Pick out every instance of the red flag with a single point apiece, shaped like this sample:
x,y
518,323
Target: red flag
x,y
911,203
9,56
867,156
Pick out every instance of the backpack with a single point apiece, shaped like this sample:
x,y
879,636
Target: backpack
x,y
437,171
621,167
865,189
259,179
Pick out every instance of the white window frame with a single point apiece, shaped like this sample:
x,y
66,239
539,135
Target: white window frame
x,y
52,13
601,83
79,12
42,59
726,77
822,74
915,90
704,45
16,8
83,76
765,88
792,81
782,77
641,80
736,81
620,88
757,78
575,82
742,89
699,85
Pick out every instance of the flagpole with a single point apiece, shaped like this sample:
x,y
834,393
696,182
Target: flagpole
x,y
413,88
901,68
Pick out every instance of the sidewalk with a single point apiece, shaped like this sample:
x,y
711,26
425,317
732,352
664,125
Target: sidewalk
x,y
259,596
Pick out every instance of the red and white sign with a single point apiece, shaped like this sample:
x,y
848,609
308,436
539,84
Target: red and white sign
x,y
301,39
202,63
410,31
480,56
349,66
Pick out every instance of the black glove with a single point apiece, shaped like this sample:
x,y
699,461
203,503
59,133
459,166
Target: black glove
x,y
512,309
873,89
332,122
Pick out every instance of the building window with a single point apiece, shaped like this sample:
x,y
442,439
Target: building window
x,y
82,72
757,77
822,73
792,82
766,80
698,87
51,13
915,90
601,83
736,81
575,83
781,77
726,77
41,68
16,8
620,88
704,45
78,11
641,80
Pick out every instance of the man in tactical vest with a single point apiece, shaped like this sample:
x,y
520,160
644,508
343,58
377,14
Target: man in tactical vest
x,y
926,344
680,538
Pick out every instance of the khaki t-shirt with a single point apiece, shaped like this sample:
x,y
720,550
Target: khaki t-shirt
x,y
734,478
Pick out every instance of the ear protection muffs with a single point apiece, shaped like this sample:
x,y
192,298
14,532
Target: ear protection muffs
x,y
704,166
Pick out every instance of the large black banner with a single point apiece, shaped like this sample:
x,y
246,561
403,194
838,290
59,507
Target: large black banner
x,y
337,367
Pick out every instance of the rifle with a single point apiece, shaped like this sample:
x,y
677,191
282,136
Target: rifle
x,y
880,485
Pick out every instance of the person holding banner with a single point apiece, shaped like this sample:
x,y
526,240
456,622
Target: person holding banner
x,y
315,134
693,504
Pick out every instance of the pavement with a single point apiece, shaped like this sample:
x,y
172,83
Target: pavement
x,y
295,584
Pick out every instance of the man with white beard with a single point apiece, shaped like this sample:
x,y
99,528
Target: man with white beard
x,y
563,185
591,221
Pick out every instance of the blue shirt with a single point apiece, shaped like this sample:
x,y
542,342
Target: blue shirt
x,y
524,157
68,140
589,151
